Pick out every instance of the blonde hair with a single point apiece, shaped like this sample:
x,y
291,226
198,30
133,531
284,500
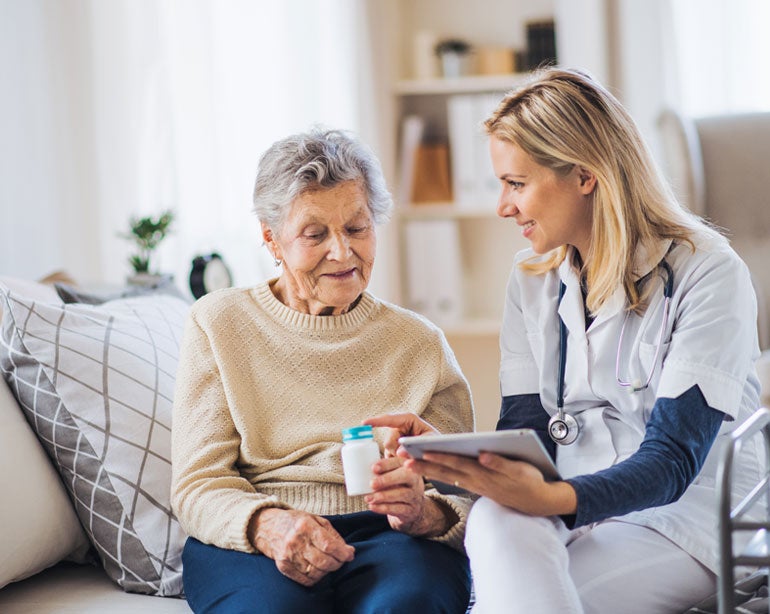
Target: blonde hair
x,y
563,118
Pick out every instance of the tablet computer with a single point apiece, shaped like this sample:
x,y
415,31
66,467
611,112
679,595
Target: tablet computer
x,y
518,444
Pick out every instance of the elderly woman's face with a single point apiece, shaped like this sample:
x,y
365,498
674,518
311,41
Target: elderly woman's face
x,y
327,245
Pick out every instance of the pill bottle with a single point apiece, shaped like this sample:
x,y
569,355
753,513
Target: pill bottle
x,y
359,453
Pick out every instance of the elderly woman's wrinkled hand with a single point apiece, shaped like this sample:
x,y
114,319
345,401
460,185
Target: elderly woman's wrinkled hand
x,y
304,547
404,424
400,494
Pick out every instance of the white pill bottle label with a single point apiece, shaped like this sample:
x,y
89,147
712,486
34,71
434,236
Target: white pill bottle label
x,y
359,453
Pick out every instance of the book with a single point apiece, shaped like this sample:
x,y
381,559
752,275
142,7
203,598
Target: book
x,y
463,128
431,181
412,130
417,273
541,44
446,272
473,181
488,185
434,270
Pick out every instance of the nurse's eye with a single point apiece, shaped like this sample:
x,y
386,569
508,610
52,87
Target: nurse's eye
x,y
516,185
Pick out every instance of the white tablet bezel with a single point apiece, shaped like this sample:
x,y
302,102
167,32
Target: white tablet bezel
x,y
518,444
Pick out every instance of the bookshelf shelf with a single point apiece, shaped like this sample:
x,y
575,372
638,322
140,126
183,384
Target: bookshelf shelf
x,y
473,327
454,256
445,211
462,244
461,85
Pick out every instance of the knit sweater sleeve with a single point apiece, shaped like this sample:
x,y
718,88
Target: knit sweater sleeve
x,y
211,499
450,410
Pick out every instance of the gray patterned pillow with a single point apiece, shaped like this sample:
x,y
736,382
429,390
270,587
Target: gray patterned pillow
x,y
96,384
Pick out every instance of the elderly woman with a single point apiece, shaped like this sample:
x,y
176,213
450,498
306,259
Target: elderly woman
x,y
270,375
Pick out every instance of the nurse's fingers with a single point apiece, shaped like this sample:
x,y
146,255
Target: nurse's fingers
x,y
458,470
514,469
454,462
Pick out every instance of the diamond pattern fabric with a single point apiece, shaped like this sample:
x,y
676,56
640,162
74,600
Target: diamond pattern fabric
x,y
96,384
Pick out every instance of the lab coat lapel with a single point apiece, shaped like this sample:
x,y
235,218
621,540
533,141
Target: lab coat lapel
x,y
645,262
571,306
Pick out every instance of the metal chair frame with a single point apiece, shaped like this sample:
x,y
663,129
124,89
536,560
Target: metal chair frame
x,y
731,517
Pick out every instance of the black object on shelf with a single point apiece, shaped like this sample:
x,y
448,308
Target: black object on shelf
x,y
209,273
541,44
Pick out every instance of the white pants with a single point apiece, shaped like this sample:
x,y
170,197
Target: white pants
x,y
536,565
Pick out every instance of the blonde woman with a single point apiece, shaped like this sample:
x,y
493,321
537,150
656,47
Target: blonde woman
x,y
628,344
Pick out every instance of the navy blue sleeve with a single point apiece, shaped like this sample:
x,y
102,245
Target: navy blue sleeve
x,y
677,439
525,411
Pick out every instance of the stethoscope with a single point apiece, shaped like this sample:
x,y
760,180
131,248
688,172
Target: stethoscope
x,y
563,428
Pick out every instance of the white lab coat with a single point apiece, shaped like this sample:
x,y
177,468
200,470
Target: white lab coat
x,y
710,340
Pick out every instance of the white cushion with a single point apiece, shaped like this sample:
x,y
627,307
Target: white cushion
x,y
30,289
38,525
81,589
96,381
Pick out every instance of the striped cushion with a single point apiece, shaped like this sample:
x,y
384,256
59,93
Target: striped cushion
x,y
96,384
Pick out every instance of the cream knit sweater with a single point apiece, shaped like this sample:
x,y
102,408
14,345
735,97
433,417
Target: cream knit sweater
x,y
263,392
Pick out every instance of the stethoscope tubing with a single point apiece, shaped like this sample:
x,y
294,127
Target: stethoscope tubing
x,y
633,385
668,292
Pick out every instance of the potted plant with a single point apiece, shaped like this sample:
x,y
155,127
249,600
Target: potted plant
x,y
146,234
453,53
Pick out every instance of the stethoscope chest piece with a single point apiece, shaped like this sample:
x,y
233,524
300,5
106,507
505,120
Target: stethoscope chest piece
x,y
563,428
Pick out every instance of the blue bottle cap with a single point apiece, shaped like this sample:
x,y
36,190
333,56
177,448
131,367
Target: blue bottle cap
x,y
357,432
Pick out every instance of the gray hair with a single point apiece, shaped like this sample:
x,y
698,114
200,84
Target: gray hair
x,y
316,159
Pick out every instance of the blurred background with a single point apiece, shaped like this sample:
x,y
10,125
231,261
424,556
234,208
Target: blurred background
x,y
119,108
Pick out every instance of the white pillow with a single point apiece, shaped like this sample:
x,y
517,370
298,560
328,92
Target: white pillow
x,y
38,525
97,381
30,289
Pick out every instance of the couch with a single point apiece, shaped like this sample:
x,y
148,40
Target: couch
x,y
80,426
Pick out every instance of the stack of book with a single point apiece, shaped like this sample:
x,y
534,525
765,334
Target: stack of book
x,y
474,184
434,270
424,166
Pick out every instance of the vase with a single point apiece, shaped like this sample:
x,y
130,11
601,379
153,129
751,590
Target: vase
x,y
454,64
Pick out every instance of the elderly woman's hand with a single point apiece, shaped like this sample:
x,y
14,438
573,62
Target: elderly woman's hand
x,y
400,494
304,547
400,425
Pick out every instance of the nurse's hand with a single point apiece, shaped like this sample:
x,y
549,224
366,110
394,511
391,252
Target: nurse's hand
x,y
515,484
400,494
401,425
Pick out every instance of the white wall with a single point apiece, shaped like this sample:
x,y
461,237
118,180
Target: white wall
x,y
627,45
48,216
582,36
50,179
644,64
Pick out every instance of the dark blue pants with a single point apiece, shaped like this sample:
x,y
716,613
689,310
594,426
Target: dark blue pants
x,y
391,572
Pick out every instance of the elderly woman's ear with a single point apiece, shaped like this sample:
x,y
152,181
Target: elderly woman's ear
x,y
270,242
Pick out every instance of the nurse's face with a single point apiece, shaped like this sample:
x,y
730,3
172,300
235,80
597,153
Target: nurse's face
x,y
552,210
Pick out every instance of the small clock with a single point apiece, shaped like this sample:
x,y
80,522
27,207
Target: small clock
x,y
209,273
